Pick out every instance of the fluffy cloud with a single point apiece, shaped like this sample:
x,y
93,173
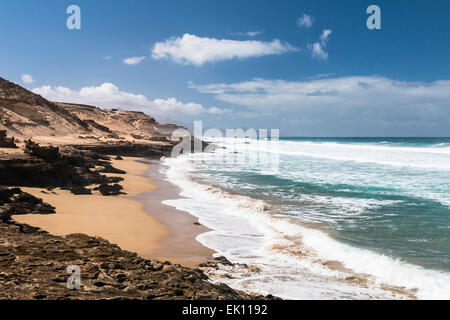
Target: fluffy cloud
x,y
108,95
133,60
194,50
357,98
318,48
325,36
27,78
305,21
317,51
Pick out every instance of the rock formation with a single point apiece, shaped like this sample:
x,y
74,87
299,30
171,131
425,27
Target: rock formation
x,y
110,190
6,142
33,265
13,201
52,167
47,153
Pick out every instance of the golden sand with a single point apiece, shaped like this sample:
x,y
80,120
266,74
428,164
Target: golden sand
x,y
122,220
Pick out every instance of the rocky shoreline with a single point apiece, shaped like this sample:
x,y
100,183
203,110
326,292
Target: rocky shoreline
x,y
49,145
33,265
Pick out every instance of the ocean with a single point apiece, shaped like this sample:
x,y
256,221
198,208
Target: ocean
x,y
340,218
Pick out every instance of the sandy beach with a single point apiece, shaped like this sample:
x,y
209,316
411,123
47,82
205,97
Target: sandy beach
x,y
178,245
137,221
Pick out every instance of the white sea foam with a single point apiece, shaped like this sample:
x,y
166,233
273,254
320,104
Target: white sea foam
x,y
293,260
419,157
353,164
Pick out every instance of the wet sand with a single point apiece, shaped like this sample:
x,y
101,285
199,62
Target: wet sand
x,y
177,246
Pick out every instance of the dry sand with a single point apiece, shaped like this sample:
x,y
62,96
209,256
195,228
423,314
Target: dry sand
x,y
153,231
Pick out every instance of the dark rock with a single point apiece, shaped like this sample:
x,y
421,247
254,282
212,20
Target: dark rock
x,y
99,284
110,190
72,168
39,261
5,214
155,151
108,168
159,138
46,153
78,190
121,277
7,193
6,142
158,267
223,261
215,264
118,158
14,201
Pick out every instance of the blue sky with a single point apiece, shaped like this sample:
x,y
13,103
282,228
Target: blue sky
x,y
198,61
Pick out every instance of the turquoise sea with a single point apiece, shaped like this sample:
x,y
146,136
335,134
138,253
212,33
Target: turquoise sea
x,y
334,210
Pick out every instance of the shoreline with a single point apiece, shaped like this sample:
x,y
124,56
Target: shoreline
x,y
179,245
136,222
255,252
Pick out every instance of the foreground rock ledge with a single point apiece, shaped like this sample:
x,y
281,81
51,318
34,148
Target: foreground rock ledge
x,y
33,265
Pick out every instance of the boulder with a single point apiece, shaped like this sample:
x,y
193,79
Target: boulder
x,y
110,190
78,190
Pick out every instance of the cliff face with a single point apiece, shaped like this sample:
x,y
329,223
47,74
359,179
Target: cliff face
x,y
76,131
121,125
24,114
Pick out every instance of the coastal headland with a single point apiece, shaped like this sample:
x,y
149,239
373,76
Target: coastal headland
x,y
75,191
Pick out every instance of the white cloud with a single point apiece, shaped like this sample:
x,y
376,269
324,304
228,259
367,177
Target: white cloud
x,y
27,78
305,21
248,33
317,51
357,97
318,48
325,36
108,95
215,110
133,60
194,50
